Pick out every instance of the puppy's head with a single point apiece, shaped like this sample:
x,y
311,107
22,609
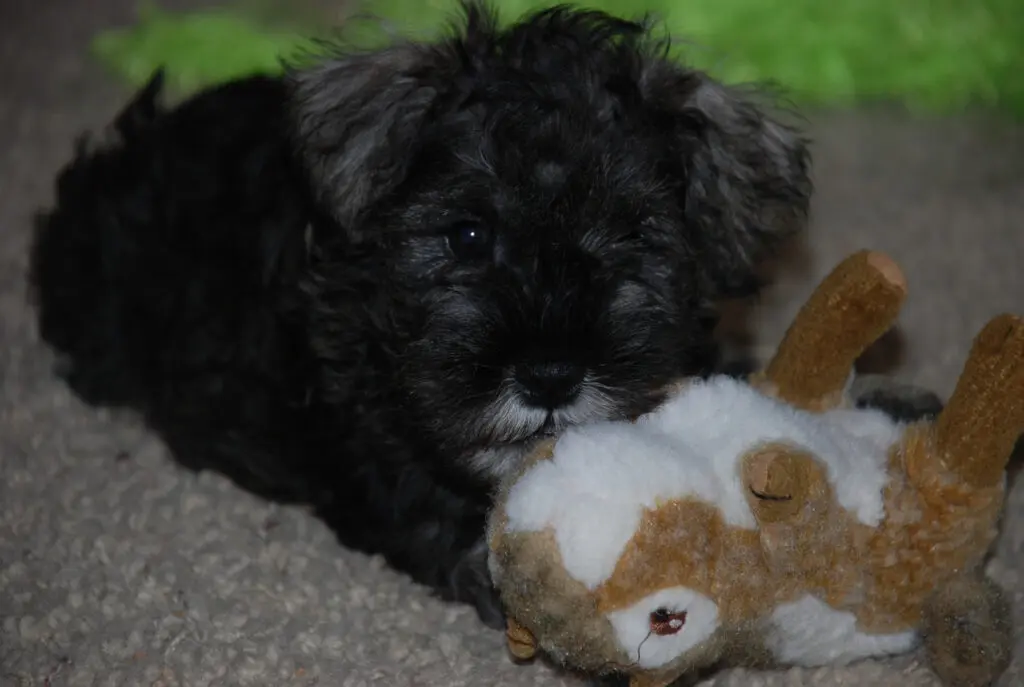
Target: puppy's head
x,y
536,217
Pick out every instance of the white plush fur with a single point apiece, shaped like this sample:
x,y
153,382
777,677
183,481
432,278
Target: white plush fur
x,y
602,477
808,632
594,490
633,626
723,419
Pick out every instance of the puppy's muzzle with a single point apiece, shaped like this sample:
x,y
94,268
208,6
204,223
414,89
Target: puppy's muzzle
x,y
549,385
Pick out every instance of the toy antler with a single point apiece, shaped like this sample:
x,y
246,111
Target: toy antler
x,y
976,432
851,308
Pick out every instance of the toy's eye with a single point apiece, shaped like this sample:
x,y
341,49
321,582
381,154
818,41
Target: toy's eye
x,y
656,631
469,240
664,622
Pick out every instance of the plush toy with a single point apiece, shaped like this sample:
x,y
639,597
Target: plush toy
x,y
770,522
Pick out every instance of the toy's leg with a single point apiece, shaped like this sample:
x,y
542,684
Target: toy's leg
x,y
521,643
977,431
851,308
968,632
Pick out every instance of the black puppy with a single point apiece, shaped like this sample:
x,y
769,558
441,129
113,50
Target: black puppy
x,y
369,286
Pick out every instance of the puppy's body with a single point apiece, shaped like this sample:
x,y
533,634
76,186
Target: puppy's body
x,y
372,285
170,277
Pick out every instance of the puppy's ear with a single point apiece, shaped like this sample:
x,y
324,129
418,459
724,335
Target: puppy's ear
x,y
747,175
357,119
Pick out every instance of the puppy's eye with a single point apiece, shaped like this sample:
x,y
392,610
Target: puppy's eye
x,y
470,241
664,622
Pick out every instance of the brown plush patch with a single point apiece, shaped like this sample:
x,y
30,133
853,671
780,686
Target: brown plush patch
x,y
809,542
687,543
936,527
677,387
681,542
968,631
945,492
552,610
498,520
496,527
559,612
649,679
545,450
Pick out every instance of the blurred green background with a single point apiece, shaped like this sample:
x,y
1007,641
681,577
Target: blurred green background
x,y
937,56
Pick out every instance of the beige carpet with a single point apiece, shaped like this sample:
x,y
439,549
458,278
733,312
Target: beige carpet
x,y
117,568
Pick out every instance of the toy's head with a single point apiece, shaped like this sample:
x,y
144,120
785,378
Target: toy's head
x,y
565,555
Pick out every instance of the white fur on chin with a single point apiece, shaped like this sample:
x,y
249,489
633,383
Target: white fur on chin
x,y
516,426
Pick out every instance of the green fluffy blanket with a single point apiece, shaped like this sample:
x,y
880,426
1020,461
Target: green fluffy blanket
x,y
930,55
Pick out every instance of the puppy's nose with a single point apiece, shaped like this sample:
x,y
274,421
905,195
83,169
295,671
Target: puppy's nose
x,y
549,385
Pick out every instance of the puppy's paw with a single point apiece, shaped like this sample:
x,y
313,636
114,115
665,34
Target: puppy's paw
x,y
471,583
902,402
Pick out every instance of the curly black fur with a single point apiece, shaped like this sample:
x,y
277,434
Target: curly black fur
x,y
370,285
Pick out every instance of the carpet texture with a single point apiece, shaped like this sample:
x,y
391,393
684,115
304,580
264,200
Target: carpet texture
x,y
117,568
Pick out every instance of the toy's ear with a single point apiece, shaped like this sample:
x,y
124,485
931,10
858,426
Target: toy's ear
x,y
778,481
783,484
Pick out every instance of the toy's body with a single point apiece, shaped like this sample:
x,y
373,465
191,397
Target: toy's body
x,y
768,522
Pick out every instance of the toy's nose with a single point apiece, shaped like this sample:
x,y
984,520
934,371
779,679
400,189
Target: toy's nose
x,y
549,385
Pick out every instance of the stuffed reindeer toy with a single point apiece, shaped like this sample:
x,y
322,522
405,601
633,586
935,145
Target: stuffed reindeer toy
x,y
769,522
